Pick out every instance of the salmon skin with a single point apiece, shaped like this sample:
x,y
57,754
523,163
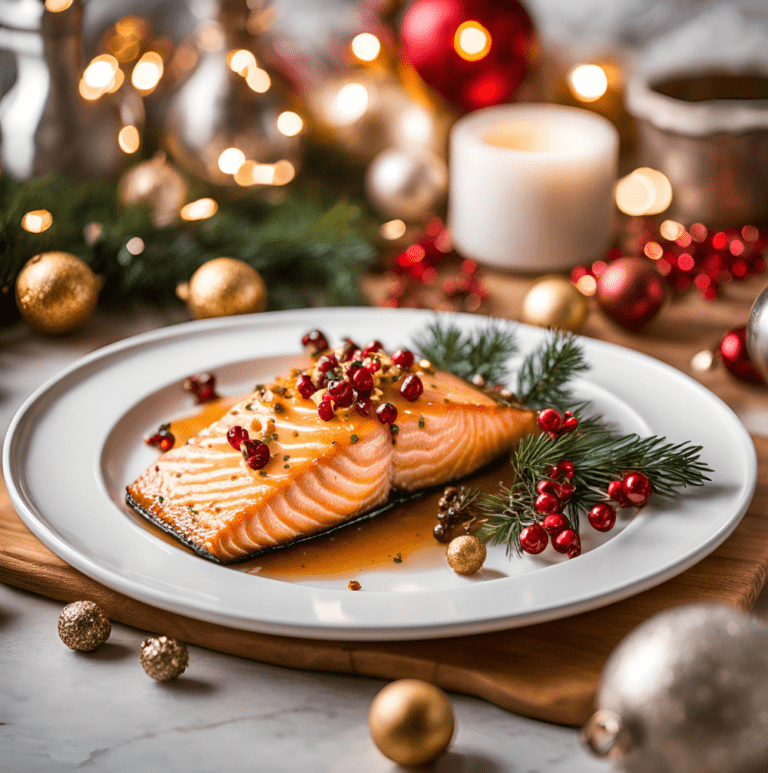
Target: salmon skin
x,y
321,473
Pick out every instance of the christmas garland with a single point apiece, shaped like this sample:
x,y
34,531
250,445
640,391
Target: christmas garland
x,y
578,465
310,248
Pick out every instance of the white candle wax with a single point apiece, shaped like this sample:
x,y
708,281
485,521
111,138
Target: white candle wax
x,y
531,186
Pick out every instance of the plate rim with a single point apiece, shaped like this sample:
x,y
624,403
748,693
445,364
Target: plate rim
x,y
119,583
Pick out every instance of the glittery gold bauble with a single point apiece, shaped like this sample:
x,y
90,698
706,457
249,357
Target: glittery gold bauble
x,y
56,292
411,722
466,554
406,184
553,301
158,184
223,287
83,626
686,691
164,658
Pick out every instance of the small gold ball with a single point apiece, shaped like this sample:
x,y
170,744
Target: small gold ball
x,y
83,626
411,722
164,658
466,554
223,287
554,301
155,183
56,292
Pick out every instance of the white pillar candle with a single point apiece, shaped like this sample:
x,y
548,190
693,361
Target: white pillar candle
x,y
531,186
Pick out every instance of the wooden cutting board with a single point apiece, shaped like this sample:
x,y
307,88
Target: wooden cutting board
x,y
547,671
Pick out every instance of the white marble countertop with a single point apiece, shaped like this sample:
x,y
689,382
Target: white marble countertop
x,y
65,711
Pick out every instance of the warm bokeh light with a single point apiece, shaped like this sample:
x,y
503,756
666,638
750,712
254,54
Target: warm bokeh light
x,y
129,139
643,192
56,6
653,250
392,229
100,71
350,104
92,232
671,230
37,221
263,174
284,172
147,71
211,37
472,41
588,82
231,160
258,80
587,285
750,233
199,210
366,46
241,61
135,245
117,81
244,175
289,123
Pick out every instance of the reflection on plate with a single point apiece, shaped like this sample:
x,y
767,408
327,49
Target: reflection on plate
x,y
71,493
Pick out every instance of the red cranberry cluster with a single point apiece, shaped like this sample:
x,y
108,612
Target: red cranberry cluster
x,y
551,422
633,490
255,452
552,497
202,386
350,375
162,439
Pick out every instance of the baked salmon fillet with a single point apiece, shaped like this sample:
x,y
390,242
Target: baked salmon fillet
x,y
320,447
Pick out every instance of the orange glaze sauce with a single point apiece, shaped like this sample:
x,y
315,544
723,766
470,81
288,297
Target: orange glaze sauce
x,y
395,538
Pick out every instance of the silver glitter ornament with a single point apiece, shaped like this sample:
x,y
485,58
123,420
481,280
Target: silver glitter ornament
x,y
686,692
405,184
757,334
164,658
83,626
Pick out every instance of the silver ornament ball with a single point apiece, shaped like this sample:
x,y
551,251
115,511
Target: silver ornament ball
x,y
405,184
686,692
757,333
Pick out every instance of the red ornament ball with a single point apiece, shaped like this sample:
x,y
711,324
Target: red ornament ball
x,y
636,489
733,350
533,538
602,517
631,292
475,53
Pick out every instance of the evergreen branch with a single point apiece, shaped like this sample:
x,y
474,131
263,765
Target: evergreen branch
x,y
546,372
483,352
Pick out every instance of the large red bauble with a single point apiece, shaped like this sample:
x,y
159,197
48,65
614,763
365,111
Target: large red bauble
x,y
473,52
631,292
733,350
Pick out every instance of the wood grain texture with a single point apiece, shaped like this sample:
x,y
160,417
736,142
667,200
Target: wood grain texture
x,y
548,671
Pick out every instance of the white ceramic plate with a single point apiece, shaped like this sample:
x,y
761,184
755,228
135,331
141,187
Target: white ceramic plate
x,y
77,441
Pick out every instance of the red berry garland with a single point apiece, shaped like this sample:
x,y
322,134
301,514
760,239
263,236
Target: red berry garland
x,y
602,517
533,538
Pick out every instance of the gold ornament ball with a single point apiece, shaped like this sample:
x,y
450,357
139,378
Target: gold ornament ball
x,y
56,293
83,626
411,722
466,554
554,301
223,287
164,658
406,184
158,184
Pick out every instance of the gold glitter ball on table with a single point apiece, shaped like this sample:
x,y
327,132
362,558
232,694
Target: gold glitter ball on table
x,y
411,722
83,626
223,287
164,658
56,293
553,301
466,554
157,184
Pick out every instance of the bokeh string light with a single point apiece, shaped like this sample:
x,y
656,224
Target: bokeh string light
x,y
37,221
366,46
588,82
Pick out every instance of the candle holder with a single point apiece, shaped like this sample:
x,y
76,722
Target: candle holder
x,y
531,186
708,133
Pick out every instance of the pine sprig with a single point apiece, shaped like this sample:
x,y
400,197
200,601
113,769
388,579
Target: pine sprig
x,y
599,456
484,352
543,379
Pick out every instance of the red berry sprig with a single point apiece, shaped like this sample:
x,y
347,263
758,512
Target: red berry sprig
x,y
551,422
162,439
633,490
202,386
